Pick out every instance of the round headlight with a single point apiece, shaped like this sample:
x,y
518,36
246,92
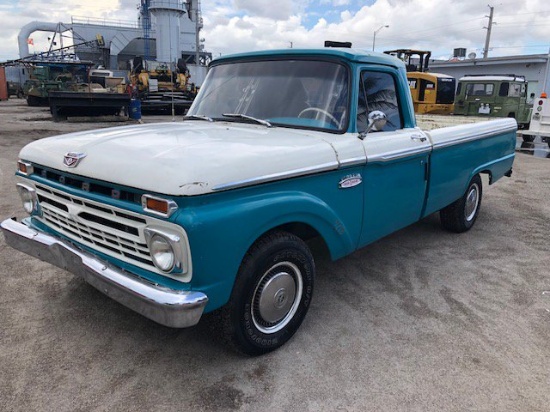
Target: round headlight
x,y
28,198
162,253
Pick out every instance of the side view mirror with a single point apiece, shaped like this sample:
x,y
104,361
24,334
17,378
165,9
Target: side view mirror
x,y
377,120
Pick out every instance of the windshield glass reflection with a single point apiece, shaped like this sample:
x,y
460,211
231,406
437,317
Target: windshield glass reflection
x,y
300,93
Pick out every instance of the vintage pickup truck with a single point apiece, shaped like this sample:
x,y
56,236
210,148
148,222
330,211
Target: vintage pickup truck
x,y
216,213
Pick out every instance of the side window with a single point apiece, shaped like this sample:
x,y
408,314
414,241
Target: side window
x,y
503,92
480,89
378,91
515,90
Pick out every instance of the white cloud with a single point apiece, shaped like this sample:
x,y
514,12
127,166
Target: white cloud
x,y
279,10
437,25
241,25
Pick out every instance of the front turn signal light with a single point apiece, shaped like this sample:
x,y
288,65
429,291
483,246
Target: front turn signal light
x,y
158,205
24,168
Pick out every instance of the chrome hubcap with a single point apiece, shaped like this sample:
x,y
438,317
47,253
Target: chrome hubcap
x,y
277,297
472,202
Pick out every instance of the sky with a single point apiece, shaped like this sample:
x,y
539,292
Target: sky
x,y
519,26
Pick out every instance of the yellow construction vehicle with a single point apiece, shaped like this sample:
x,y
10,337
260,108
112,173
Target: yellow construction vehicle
x,y
431,92
158,87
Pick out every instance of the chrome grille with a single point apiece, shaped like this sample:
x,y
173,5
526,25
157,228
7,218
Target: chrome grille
x,y
115,232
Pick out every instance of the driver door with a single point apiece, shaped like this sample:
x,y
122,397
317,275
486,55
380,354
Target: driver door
x,y
396,172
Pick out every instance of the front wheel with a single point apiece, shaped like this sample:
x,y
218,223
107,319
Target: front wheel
x,y
271,295
461,215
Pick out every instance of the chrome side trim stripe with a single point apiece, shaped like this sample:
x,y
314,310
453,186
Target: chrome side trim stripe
x,y
278,176
355,161
468,138
397,154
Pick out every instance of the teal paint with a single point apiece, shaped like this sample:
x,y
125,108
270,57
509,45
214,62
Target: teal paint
x,y
222,226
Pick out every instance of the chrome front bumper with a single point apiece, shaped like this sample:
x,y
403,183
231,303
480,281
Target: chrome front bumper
x,y
169,307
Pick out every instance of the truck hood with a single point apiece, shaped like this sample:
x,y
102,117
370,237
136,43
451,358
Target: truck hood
x,y
185,159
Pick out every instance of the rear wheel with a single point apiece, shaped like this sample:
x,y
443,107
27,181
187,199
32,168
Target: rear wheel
x,y
33,101
271,295
461,215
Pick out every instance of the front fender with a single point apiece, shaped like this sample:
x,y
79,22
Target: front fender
x,y
221,232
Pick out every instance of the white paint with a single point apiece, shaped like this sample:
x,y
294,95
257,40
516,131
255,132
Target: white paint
x,y
193,157
196,157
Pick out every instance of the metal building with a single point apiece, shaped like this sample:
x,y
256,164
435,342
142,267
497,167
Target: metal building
x,y
165,30
534,67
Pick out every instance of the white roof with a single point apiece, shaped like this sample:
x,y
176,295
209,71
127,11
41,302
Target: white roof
x,y
493,78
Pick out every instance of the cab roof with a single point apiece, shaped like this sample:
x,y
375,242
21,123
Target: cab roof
x,y
341,53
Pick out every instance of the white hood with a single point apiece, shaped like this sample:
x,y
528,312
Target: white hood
x,y
188,158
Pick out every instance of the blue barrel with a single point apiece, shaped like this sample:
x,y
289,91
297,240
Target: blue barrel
x,y
135,109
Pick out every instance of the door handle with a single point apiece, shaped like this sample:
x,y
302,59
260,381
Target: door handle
x,y
419,137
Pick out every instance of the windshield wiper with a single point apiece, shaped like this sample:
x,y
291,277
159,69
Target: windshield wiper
x,y
197,117
244,116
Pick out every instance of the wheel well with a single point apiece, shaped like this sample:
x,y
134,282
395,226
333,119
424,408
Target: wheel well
x,y
489,174
308,234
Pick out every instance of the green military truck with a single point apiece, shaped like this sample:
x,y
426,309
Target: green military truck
x,y
494,96
47,76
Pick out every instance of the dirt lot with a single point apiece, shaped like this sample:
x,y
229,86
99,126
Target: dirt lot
x,y
423,320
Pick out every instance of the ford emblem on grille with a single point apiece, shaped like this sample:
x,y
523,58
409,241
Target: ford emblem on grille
x,y
72,159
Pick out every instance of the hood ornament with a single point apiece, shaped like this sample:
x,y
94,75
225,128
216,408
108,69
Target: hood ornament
x,y
72,159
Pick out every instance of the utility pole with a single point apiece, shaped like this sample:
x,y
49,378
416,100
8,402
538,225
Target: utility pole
x,y
545,84
489,27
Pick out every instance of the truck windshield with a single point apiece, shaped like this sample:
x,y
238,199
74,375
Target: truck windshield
x,y
297,93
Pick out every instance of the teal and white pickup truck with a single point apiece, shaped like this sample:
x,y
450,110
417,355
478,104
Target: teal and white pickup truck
x,y
215,213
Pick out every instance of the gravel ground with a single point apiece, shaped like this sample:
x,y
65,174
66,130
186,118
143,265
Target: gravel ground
x,y
422,320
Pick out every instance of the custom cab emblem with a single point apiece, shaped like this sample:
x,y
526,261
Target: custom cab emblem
x,y
72,159
350,181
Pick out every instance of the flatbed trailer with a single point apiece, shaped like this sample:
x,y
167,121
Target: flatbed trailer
x,y
165,102
65,104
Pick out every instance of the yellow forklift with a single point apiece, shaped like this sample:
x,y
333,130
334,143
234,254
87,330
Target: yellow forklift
x,y
432,93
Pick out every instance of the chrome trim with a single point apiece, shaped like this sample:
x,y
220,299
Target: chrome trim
x,y
169,307
177,244
469,138
172,206
274,301
419,137
278,176
22,186
349,181
28,166
72,159
397,154
129,246
355,161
